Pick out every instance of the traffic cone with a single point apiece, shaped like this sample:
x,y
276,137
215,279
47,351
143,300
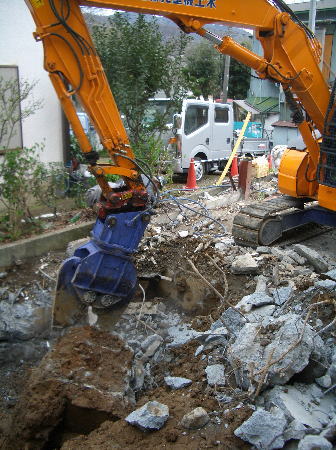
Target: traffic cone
x,y
191,180
234,167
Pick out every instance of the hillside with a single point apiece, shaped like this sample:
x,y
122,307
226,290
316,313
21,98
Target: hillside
x,y
169,29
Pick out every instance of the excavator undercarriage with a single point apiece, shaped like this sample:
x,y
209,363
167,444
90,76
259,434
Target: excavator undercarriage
x,y
265,223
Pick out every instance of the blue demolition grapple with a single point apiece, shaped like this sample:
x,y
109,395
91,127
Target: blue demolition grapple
x,y
101,273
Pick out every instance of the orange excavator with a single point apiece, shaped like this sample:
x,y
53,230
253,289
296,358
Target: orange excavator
x,y
101,273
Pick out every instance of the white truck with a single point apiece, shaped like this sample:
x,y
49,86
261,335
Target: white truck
x,y
205,131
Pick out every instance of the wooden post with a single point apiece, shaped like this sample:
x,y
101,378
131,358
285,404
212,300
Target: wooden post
x,y
245,176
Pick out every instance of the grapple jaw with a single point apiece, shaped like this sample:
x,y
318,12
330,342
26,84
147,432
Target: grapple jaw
x,y
101,273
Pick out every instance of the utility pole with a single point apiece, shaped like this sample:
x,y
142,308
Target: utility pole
x,y
226,74
312,15
226,77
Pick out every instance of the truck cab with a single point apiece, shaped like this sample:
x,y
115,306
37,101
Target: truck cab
x,y
203,131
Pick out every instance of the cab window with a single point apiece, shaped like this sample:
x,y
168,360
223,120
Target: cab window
x,y
221,115
196,117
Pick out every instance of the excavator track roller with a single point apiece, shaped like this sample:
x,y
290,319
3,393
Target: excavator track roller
x,y
267,222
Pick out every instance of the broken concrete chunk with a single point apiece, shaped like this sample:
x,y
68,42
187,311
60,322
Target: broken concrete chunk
x,y
197,418
312,257
296,257
183,233
259,314
282,294
222,398
329,285
218,335
177,382
138,375
261,284
215,375
330,430
27,320
331,274
295,430
278,253
181,334
263,429
151,344
146,308
263,250
311,442
152,416
221,247
253,301
244,264
324,381
332,368
304,403
278,340
233,320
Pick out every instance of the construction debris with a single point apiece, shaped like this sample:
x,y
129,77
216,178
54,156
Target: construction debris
x,y
152,416
223,347
197,418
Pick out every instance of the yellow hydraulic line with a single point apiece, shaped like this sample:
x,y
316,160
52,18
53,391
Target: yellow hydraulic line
x,y
235,148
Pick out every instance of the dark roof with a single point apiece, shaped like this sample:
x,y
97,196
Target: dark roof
x,y
264,104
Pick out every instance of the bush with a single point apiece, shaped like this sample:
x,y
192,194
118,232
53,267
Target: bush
x,y
16,188
153,156
25,180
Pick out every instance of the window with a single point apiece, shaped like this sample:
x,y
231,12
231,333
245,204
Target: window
x,y
10,111
221,115
196,117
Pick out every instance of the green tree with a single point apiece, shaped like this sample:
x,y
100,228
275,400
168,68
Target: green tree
x,y
239,81
203,70
139,63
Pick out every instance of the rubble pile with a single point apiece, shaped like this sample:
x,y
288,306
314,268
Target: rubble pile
x,y
229,347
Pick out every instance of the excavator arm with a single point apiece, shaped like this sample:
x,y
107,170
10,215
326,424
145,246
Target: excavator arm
x,y
99,273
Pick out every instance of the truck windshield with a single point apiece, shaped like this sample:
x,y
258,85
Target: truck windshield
x,y
196,116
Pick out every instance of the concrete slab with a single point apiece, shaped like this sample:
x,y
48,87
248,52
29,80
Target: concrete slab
x,y
38,245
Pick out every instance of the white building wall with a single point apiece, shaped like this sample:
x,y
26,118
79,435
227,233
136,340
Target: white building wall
x,y
18,48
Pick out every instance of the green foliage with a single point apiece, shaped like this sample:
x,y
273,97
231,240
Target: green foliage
x,y
203,70
239,81
25,180
16,185
75,150
49,183
138,63
150,153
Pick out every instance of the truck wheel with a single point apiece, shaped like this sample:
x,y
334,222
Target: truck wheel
x,y
199,169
